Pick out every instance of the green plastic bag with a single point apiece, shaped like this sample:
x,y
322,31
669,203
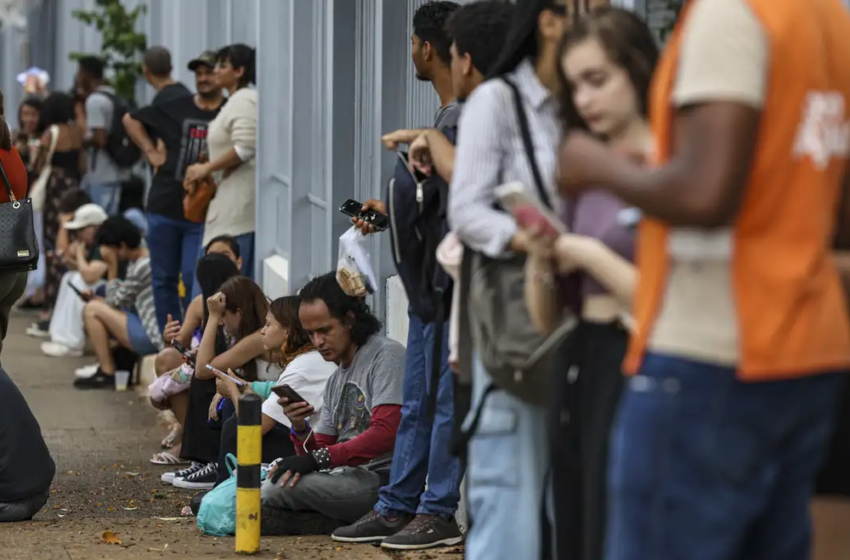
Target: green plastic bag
x,y
217,514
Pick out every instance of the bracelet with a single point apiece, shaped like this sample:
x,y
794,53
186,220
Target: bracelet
x,y
300,434
323,458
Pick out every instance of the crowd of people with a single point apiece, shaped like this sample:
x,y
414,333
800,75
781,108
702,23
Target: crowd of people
x,y
582,206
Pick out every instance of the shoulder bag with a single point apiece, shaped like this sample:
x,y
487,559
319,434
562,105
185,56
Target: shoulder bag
x,y
18,243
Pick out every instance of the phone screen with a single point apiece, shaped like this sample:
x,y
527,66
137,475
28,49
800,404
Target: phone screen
x,y
355,209
351,208
288,392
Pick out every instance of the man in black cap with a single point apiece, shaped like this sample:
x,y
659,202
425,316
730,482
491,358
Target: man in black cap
x,y
172,133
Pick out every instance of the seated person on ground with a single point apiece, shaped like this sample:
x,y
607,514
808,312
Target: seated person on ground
x,y
119,240
344,456
26,467
171,389
304,371
231,340
86,272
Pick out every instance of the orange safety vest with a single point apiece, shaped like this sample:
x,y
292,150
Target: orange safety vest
x,y
788,298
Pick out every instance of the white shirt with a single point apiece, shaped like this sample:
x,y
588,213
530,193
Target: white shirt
x,y
308,375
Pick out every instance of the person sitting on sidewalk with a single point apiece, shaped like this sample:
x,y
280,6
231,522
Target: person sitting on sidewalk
x,y
85,272
344,459
120,240
26,467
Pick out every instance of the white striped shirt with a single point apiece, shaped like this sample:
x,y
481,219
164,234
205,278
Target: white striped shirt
x,y
135,293
490,153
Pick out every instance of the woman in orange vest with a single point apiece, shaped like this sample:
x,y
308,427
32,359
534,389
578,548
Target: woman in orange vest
x,y
741,322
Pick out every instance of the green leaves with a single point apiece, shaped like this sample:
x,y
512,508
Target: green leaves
x,y
120,42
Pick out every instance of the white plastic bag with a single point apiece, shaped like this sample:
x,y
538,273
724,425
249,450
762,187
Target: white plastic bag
x,y
354,267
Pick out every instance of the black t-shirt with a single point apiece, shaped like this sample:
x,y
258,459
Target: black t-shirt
x,y
170,93
182,126
26,467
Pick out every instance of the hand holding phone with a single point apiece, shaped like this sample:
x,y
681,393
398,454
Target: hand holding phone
x,y
373,219
219,372
515,198
188,357
290,394
295,407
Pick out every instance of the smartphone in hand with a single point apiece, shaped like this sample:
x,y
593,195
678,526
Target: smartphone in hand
x,y
219,372
186,353
527,209
289,393
372,217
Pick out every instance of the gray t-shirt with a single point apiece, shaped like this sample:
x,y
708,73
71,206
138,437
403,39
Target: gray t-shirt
x,y
447,116
372,379
99,109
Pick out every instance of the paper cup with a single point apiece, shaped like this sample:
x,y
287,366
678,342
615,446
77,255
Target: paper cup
x,y
122,379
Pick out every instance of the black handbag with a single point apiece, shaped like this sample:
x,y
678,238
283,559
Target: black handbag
x,y
18,243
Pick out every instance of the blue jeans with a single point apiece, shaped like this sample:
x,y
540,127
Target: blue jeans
x,y
706,467
246,248
106,195
422,448
173,246
507,476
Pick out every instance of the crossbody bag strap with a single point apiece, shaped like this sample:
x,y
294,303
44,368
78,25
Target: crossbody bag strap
x,y
525,133
6,184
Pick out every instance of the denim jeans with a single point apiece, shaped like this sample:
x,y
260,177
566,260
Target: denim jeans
x,y
173,246
506,478
106,195
246,249
706,467
422,447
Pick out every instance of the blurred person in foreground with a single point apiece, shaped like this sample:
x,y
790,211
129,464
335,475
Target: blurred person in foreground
x,y
742,334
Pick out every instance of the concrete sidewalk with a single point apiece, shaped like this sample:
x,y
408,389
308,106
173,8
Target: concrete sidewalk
x,y
101,441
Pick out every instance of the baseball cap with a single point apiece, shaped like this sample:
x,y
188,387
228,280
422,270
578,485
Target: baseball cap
x,y
206,58
87,215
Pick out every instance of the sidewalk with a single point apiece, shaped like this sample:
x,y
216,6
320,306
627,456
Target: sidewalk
x,y
101,442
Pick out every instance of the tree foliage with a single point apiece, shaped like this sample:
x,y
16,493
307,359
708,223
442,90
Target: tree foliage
x,y
121,43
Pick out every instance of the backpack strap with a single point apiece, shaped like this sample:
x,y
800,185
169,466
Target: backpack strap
x,y
525,133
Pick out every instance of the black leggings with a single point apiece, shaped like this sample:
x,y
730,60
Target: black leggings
x,y
276,443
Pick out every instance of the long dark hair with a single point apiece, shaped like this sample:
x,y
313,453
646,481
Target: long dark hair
x,y
628,43
57,108
214,270
522,41
348,310
297,342
35,103
5,133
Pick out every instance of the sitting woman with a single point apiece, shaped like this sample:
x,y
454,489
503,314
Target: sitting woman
x,y
170,359
304,371
170,391
231,340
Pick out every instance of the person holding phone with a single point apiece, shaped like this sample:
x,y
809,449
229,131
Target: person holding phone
x,y
605,63
305,374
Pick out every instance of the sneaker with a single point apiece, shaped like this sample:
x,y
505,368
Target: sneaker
x,y
372,527
39,330
99,380
57,350
425,531
284,523
86,371
170,477
204,479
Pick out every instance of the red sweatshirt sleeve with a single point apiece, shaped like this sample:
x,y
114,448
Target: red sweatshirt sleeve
x,y
377,440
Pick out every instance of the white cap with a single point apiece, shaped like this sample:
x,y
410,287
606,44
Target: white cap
x,y
87,215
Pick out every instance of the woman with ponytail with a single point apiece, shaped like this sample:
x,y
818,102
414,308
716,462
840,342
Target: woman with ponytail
x,y
232,140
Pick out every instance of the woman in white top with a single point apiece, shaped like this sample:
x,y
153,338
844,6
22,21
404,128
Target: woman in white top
x,y
304,371
231,142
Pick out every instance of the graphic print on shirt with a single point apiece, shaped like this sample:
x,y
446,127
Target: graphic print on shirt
x,y
824,133
193,142
352,415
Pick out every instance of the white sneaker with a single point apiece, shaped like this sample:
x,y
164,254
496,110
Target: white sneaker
x,y
37,331
170,477
58,350
202,479
86,371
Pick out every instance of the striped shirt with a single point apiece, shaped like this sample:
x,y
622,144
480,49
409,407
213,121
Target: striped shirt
x,y
135,293
490,153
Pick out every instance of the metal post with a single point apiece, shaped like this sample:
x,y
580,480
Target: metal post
x,y
248,459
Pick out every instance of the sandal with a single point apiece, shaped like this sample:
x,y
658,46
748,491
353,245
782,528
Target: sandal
x,y
166,458
175,434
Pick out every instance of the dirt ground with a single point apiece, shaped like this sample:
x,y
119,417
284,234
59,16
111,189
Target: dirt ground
x,y
101,442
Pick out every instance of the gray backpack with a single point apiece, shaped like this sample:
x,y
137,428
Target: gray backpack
x,y
518,358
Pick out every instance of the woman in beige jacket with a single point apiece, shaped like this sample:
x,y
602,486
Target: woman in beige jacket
x,y
231,142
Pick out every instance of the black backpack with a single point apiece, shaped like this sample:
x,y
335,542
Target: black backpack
x,y
418,223
120,148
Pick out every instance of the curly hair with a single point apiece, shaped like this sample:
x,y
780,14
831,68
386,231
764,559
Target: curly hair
x,y
429,24
297,342
348,310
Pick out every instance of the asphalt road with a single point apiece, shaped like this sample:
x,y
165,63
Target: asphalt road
x,y
101,442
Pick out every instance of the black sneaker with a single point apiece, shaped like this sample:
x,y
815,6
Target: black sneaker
x,y
372,527
425,531
99,380
204,479
170,477
284,523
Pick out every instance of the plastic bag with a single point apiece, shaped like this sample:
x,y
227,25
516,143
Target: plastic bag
x,y
354,267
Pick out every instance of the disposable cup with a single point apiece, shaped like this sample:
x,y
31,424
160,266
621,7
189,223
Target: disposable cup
x,y
122,379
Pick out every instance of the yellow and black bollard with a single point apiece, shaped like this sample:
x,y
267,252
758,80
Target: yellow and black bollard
x,y
248,457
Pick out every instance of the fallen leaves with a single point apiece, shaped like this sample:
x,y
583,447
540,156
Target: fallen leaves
x,y
111,538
